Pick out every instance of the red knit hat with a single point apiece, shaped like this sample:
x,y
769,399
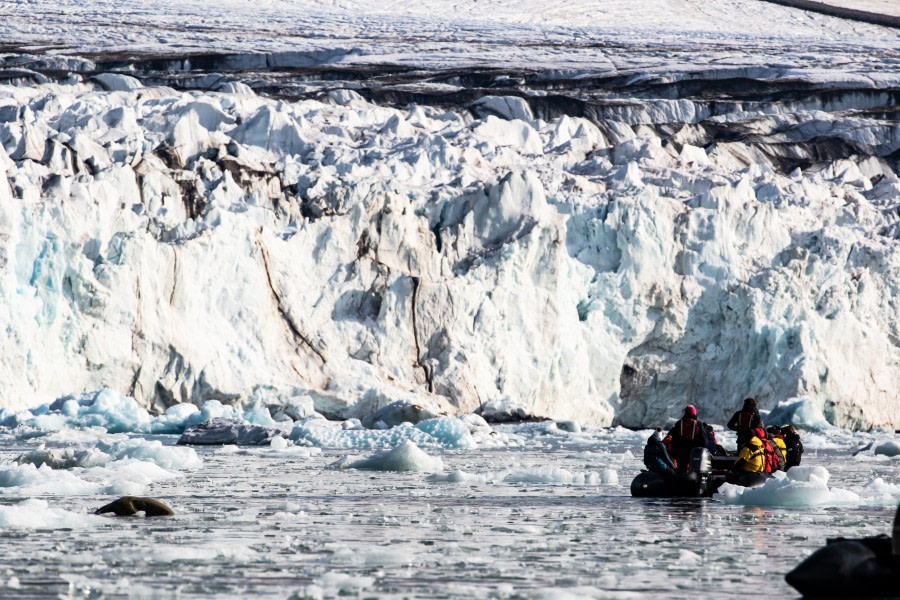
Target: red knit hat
x,y
690,410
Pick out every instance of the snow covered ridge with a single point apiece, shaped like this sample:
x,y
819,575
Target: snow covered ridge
x,y
185,247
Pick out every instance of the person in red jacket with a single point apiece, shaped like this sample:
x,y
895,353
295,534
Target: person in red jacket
x,y
686,434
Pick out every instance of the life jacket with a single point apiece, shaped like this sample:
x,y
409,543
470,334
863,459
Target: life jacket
x,y
689,429
745,419
774,459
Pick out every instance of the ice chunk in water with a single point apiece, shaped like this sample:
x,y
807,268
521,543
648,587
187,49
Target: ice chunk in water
x,y
167,457
220,431
880,492
405,457
127,476
449,432
799,487
442,432
37,514
539,475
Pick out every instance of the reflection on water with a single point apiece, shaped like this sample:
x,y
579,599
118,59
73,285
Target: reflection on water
x,y
256,524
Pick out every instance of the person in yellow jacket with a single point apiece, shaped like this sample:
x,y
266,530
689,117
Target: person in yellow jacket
x,y
751,459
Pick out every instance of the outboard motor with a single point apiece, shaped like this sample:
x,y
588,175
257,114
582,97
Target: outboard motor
x,y
701,462
701,467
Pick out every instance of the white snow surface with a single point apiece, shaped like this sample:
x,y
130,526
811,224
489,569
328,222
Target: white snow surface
x,y
568,33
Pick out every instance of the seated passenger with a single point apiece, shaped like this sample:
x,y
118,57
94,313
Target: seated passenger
x,y
656,457
712,444
794,446
751,459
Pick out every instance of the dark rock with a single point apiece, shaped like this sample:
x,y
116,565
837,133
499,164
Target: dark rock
x,y
221,431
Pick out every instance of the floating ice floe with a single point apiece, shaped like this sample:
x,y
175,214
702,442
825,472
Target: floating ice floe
x,y
108,450
880,492
540,475
405,457
395,414
121,477
37,514
122,414
215,423
173,553
799,487
442,432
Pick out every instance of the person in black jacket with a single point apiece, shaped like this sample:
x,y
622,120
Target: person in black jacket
x,y
793,444
745,420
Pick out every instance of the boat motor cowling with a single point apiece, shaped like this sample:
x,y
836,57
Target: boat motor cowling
x,y
701,461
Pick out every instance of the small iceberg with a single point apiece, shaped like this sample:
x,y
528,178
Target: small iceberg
x,y
405,457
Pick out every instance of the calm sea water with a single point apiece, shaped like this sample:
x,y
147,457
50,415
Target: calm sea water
x,y
253,524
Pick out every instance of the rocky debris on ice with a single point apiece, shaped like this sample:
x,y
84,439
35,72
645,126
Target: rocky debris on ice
x,y
186,247
396,413
504,410
887,448
221,431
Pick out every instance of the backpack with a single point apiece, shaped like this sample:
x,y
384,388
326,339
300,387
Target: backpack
x,y
773,457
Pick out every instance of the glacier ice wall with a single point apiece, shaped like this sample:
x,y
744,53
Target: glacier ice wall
x,y
189,246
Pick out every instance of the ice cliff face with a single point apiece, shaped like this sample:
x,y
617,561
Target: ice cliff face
x,y
191,246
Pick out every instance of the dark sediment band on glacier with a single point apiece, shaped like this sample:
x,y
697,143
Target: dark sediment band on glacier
x,y
736,104
841,11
